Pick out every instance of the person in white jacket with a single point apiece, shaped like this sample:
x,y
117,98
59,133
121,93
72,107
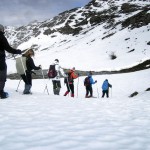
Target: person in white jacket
x,y
56,81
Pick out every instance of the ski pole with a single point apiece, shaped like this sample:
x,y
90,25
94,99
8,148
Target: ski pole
x,y
97,90
44,82
46,88
18,85
111,92
77,86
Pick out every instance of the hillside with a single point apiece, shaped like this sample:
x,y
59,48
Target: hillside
x,y
90,35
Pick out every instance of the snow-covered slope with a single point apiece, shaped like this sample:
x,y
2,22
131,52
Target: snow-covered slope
x,y
47,122
87,36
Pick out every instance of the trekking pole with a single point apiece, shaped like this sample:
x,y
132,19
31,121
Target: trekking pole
x,y
68,86
44,82
111,92
97,90
77,86
18,85
46,88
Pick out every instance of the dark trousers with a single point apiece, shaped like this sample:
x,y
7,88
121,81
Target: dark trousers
x,y
70,87
105,92
27,78
89,89
3,74
56,86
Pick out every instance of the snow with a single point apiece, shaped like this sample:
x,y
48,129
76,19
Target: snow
x,y
42,122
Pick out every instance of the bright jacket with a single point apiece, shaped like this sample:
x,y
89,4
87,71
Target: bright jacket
x,y
91,80
71,76
106,85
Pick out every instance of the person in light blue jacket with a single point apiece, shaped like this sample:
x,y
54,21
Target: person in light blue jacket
x,y
88,85
105,88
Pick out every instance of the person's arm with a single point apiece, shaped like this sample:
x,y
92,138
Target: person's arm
x,y
92,81
32,65
109,85
8,48
62,72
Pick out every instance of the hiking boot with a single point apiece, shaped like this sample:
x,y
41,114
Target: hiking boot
x,y
27,92
86,96
89,96
72,95
3,95
66,93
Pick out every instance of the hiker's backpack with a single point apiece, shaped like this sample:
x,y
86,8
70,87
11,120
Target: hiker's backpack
x,y
21,65
68,79
87,81
52,73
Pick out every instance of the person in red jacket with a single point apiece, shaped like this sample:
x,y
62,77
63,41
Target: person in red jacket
x,y
69,81
4,46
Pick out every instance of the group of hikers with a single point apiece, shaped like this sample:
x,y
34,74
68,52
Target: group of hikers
x,y
25,66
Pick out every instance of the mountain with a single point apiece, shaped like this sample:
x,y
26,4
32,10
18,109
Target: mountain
x,y
104,34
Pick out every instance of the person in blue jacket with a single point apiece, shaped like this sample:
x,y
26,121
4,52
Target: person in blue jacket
x,y
105,88
88,85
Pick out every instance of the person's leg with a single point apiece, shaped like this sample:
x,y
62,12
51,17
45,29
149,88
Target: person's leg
x,y
103,94
68,89
87,91
91,91
54,87
107,93
28,83
3,74
58,87
72,89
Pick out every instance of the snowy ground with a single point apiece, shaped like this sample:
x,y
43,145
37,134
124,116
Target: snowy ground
x,y
47,122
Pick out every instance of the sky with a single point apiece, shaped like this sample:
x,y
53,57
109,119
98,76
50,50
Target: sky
x,y
22,12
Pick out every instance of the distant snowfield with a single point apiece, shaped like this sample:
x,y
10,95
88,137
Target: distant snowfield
x,y
47,122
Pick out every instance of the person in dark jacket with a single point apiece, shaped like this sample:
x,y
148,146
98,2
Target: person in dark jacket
x,y
4,46
105,88
69,81
88,85
27,76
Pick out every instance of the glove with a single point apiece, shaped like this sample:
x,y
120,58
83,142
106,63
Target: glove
x,y
18,51
40,66
78,74
95,81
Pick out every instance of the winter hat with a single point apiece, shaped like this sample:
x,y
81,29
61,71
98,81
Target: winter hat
x,y
57,60
1,28
89,73
73,68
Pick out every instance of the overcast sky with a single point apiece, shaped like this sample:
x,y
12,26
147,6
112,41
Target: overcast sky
x,y
22,12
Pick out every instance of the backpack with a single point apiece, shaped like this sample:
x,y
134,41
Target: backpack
x,y
52,73
87,81
68,79
21,65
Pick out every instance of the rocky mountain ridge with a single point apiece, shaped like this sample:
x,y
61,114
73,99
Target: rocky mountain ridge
x,y
91,15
